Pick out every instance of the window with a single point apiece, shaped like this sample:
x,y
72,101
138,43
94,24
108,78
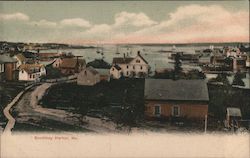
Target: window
x,y
113,69
30,76
127,66
141,67
133,67
137,61
22,71
176,111
157,110
85,72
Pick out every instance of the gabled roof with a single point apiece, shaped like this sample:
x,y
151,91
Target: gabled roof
x,y
142,58
117,67
122,60
71,62
179,90
126,60
31,68
20,57
7,59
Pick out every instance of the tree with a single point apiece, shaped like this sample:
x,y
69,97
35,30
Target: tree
x,y
222,77
177,66
238,79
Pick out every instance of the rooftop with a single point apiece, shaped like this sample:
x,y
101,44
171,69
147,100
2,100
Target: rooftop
x,y
7,59
179,90
31,68
233,111
122,60
71,62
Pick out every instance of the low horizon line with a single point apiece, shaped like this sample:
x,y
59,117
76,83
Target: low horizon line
x,y
146,43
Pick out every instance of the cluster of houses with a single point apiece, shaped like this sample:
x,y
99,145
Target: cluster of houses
x,y
20,68
164,98
226,59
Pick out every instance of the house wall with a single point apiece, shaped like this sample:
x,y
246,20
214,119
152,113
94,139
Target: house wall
x,y
114,73
10,71
19,62
190,110
87,78
1,68
133,66
104,77
57,63
24,76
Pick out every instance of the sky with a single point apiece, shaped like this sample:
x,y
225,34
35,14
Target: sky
x,y
83,22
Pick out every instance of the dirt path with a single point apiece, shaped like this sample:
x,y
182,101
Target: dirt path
x,y
30,114
6,111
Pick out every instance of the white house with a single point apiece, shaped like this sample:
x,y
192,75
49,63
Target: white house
x,y
57,62
115,71
88,77
131,67
20,59
31,72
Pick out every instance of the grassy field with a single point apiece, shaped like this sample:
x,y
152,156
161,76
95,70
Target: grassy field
x,y
123,101
120,100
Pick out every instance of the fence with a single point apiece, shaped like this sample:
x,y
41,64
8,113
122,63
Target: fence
x,y
71,78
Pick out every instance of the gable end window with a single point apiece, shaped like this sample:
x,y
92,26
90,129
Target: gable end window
x,y
137,61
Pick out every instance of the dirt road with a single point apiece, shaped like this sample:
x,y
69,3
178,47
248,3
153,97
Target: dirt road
x,y
31,117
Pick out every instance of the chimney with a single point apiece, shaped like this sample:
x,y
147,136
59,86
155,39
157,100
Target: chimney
x,y
124,56
138,53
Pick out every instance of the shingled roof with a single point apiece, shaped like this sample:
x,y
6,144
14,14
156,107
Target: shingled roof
x,y
71,62
21,57
127,60
122,60
31,68
7,59
180,90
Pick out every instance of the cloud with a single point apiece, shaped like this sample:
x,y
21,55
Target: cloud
x,y
14,16
102,28
190,23
44,23
195,23
75,22
135,19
